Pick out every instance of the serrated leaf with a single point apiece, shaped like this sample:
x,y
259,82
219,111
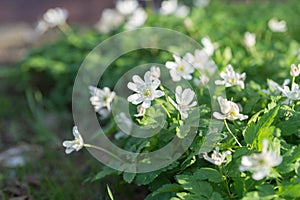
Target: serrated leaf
x,y
128,177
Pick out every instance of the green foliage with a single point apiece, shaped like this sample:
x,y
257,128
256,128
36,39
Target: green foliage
x,y
51,69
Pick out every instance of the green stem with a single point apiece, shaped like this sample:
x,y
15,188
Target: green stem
x,y
293,81
235,138
165,109
103,150
225,182
66,29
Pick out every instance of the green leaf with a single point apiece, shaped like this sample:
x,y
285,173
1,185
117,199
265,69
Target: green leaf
x,y
208,173
291,190
128,177
253,130
106,171
168,188
290,126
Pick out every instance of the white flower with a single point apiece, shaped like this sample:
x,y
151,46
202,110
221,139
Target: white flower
x,y
55,17
216,158
295,71
145,90
201,61
260,163
141,111
75,144
209,47
203,80
110,19
126,7
249,39
183,101
137,19
155,72
41,27
180,69
277,26
101,98
171,7
274,87
231,78
229,110
292,94
201,3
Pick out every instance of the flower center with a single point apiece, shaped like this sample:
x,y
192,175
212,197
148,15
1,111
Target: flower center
x,y
147,93
180,68
232,113
232,80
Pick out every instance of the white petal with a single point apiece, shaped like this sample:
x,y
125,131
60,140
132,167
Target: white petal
x,y
67,143
260,174
174,75
69,150
135,98
219,116
173,103
138,80
187,96
171,65
133,87
158,93
146,104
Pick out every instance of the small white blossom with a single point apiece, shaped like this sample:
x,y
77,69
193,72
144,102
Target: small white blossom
x,y
41,27
216,157
137,19
110,19
203,80
209,47
274,87
55,16
183,101
155,72
231,78
171,7
180,69
126,7
146,90
295,70
277,26
201,61
292,94
260,163
75,144
201,3
229,110
101,98
249,39
141,111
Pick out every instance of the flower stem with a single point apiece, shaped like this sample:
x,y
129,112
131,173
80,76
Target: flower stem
x,y
293,81
103,150
66,29
225,182
235,138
